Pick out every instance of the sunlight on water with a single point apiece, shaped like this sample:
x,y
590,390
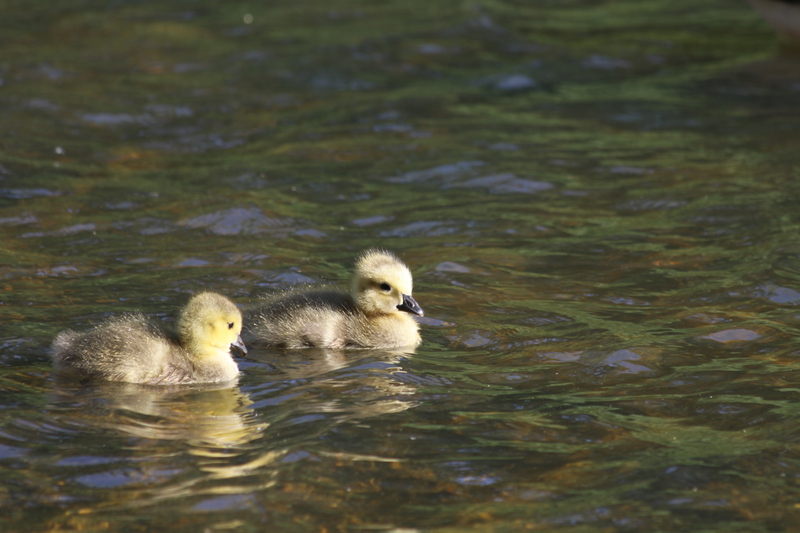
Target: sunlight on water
x,y
597,201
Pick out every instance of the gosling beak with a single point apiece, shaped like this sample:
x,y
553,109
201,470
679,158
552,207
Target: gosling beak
x,y
239,345
410,305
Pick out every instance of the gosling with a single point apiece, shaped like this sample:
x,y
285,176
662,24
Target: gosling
x,y
376,313
135,349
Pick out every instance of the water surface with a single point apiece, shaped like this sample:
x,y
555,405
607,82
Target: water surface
x,y
597,200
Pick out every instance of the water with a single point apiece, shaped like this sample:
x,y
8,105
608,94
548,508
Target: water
x,y
597,200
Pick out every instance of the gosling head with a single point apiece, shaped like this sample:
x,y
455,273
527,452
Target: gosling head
x,y
210,324
382,285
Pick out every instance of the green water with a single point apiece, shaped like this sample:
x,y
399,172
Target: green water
x,y
598,201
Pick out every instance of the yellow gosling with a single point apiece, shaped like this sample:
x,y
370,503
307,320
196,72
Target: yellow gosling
x,y
136,349
376,313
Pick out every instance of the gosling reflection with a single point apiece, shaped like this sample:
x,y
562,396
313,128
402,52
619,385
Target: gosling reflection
x,y
202,416
344,383
175,442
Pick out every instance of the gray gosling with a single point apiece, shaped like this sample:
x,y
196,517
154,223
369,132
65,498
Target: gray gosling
x,y
135,349
376,313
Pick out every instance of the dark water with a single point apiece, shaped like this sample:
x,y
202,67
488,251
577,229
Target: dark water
x,y
598,201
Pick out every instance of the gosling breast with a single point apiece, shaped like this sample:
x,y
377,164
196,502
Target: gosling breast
x,y
135,348
376,313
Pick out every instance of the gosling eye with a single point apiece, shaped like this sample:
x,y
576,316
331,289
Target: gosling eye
x,y
385,287
230,325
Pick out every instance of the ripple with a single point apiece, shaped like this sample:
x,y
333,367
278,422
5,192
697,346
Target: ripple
x,y
473,340
507,184
733,335
222,503
193,262
277,278
12,452
18,220
123,477
777,294
21,194
238,221
600,62
514,83
370,221
422,228
115,119
62,232
443,173
449,266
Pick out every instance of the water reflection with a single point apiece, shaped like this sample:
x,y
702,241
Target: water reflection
x,y
208,448
138,446
360,383
203,417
